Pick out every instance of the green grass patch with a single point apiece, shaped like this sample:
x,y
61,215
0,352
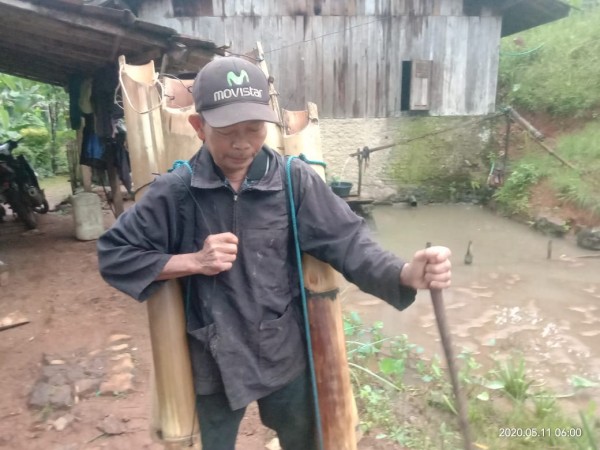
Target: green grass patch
x,y
553,68
580,187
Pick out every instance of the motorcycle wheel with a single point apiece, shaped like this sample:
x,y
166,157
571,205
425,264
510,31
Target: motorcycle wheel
x,y
24,213
43,208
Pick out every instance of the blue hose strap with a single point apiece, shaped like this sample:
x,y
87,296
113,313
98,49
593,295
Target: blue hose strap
x,y
310,161
181,162
311,362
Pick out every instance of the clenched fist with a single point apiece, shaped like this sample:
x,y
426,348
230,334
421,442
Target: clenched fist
x,y
429,269
218,253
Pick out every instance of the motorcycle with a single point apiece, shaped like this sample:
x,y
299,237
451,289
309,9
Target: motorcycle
x,y
19,187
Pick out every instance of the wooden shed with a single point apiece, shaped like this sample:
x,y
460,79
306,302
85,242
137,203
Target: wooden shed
x,y
367,58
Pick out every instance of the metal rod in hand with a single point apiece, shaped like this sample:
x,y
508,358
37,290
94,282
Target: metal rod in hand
x,y
461,404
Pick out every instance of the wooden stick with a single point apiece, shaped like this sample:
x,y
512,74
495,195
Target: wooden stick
x,y
461,404
537,136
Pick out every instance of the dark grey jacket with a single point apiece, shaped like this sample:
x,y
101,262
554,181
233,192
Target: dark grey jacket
x,y
244,325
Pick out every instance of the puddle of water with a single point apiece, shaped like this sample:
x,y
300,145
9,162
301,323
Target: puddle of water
x,y
510,298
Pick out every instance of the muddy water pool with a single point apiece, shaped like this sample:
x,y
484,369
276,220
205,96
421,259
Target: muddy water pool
x,y
511,300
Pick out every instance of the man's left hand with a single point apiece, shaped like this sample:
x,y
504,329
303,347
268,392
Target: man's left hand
x,y
429,269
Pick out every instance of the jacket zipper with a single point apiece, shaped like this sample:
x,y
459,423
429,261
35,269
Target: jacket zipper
x,y
235,197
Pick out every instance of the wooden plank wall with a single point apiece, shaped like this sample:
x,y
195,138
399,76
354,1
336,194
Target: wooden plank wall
x,y
348,58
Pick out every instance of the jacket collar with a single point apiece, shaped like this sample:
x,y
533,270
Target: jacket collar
x,y
263,174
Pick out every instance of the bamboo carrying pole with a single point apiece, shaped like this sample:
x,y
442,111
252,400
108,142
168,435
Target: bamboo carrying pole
x,y
339,416
174,415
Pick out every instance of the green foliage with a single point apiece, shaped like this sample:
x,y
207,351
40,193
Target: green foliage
x,y
513,379
513,196
505,410
579,187
553,68
582,187
440,167
37,113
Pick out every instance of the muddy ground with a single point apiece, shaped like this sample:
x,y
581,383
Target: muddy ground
x,y
79,330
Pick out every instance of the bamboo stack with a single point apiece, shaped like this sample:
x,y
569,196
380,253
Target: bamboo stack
x,y
174,420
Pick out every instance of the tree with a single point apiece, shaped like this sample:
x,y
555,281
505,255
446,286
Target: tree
x,y
37,113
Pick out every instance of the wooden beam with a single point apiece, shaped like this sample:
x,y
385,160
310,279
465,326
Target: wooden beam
x,y
27,60
91,40
59,51
42,76
74,19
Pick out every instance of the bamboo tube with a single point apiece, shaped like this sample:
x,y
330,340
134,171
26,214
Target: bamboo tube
x,y
336,403
274,135
174,415
181,140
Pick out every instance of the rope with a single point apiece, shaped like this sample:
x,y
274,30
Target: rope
x,y
311,362
526,52
120,87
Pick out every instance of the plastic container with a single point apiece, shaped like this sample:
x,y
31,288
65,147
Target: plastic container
x,y
341,188
87,215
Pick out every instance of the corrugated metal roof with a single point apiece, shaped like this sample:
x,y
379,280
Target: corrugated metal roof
x,y
520,15
48,40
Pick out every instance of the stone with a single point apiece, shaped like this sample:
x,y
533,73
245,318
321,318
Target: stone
x,y
119,382
112,425
551,226
74,373
589,238
124,365
58,379
118,337
50,371
384,195
87,386
40,395
61,396
118,348
95,368
63,422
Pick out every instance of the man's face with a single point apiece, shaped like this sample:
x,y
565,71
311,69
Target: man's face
x,y
233,148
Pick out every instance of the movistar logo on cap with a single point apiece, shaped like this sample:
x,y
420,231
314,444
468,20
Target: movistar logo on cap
x,y
232,78
238,80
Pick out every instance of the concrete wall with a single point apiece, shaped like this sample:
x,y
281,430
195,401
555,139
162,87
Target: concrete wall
x,y
443,162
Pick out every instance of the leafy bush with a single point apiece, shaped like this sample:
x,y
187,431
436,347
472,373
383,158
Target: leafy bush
x,y
513,196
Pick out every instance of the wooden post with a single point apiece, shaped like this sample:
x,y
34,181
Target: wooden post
x,y
339,416
115,188
174,416
537,136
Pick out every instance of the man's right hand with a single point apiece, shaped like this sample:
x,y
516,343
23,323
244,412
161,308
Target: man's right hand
x,y
218,253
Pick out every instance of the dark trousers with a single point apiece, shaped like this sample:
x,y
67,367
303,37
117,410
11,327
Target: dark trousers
x,y
289,411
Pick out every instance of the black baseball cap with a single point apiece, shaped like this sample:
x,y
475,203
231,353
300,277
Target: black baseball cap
x,y
230,90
